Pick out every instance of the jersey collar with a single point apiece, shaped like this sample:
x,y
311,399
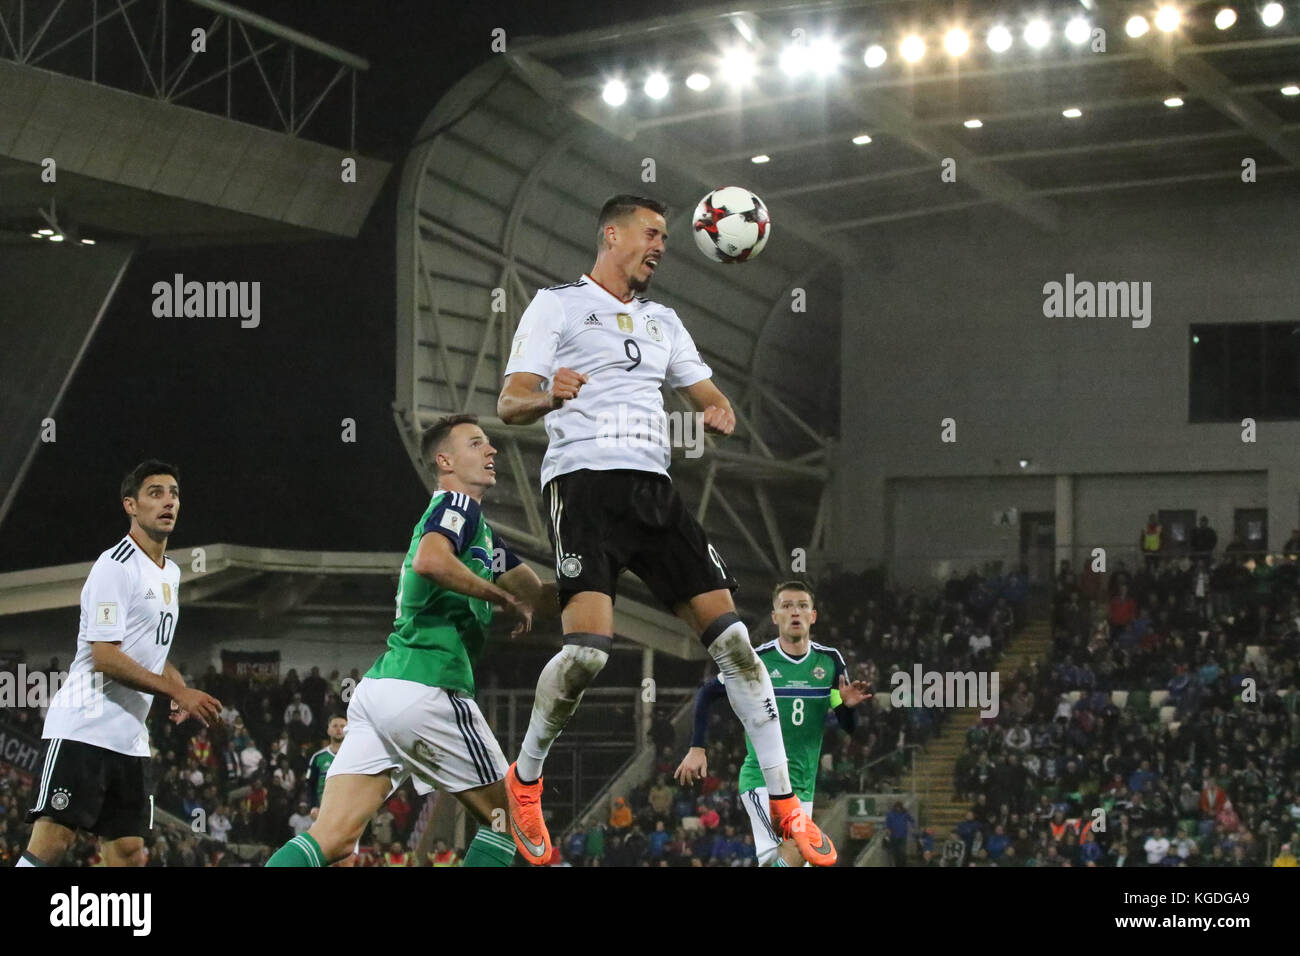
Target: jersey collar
x,y
140,548
781,650
596,282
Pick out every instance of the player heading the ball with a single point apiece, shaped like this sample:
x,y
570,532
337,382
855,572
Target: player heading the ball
x,y
582,350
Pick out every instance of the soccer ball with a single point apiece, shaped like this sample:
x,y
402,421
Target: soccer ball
x,y
731,224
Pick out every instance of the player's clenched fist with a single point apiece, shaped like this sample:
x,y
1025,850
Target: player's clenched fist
x,y
196,703
719,421
565,385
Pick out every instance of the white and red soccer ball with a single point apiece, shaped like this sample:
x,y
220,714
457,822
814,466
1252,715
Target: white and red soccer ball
x,y
731,224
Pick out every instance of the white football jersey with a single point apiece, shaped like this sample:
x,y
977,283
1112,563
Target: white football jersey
x,y
129,599
628,350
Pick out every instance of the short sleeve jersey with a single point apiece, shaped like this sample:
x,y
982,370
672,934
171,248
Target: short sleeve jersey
x,y
129,600
438,633
629,351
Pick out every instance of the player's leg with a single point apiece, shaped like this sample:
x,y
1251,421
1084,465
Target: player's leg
x,y
69,797
364,772
686,572
585,577
48,843
767,842
447,744
124,851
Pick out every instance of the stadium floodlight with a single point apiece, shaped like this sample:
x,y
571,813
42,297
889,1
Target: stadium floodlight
x,y
1167,19
698,82
760,159
45,232
738,66
999,39
614,93
956,41
37,235
1271,15
861,140
973,123
57,237
1037,33
87,242
875,56
912,48
795,59
1072,113
1078,30
825,55
1174,102
656,86
1136,26
1225,18
1291,90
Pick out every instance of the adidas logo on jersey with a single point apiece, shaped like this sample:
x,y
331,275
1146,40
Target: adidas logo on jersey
x,y
149,595
776,673
591,320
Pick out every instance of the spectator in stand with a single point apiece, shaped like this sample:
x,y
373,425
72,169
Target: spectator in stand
x,y
595,845
301,821
1123,611
660,799
314,689
899,823
400,806
1204,541
1151,543
396,856
219,823
443,855
381,827
620,816
250,761
1292,547
1285,857
658,843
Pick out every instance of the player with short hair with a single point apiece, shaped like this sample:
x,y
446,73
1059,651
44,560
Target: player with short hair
x,y
319,765
590,358
810,681
95,775
413,714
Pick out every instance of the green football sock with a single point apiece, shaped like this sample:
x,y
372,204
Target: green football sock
x,y
489,848
302,850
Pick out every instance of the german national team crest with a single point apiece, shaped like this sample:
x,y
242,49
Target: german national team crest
x,y
571,565
652,328
819,672
60,799
624,322
167,593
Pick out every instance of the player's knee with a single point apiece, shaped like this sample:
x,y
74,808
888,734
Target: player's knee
x,y
335,842
129,851
581,659
723,629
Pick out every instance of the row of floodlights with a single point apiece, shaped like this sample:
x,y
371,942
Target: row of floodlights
x,y
1073,112
53,236
821,56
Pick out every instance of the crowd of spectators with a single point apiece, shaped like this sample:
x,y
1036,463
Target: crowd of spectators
x,y
1161,730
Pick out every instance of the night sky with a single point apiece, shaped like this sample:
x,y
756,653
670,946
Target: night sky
x,y
252,417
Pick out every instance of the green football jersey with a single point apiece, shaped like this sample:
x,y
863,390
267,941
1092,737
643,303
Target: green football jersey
x,y
317,769
438,634
806,691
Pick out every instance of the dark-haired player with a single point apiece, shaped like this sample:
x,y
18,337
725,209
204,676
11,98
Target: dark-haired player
x,y
97,755
590,358
413,715
810,682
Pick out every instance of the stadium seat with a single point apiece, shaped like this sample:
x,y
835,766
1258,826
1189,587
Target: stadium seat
x,y
1158,698
1119,698
1167,714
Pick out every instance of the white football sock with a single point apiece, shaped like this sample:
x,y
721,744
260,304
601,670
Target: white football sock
x,y
559,691
749,691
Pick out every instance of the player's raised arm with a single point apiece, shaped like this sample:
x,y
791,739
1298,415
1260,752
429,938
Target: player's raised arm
x,y
704,396
533,384
523,582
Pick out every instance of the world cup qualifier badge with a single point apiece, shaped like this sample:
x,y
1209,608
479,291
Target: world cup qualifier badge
x,y
571,565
